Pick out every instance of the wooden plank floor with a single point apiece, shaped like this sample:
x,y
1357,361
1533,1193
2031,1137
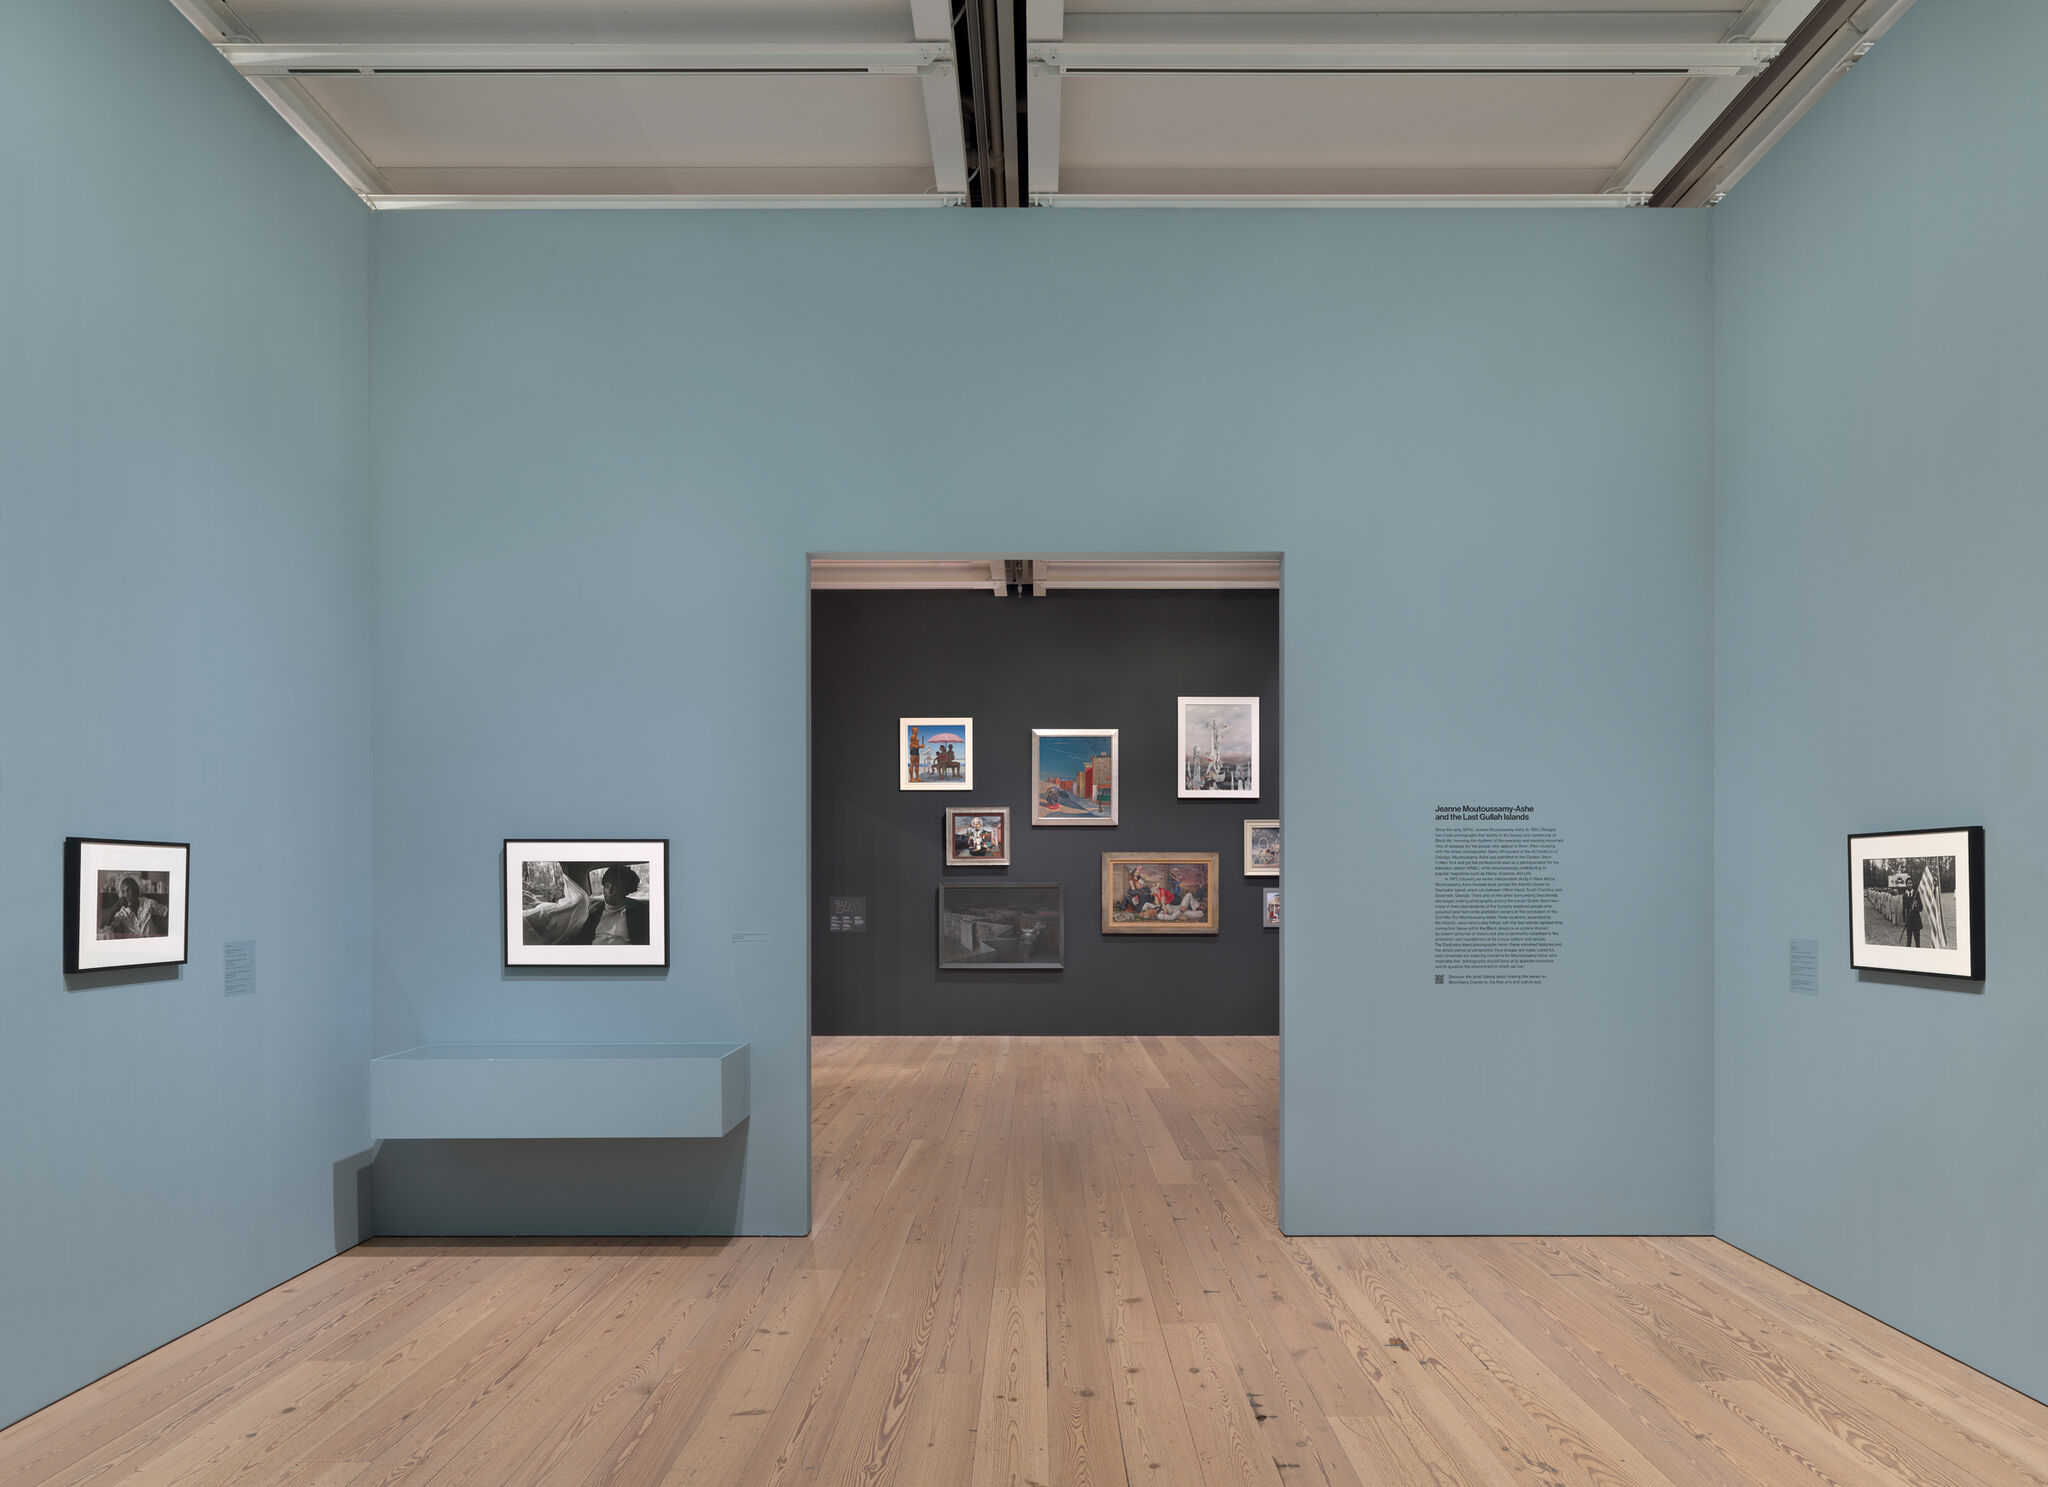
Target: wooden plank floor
x,y
1041,1261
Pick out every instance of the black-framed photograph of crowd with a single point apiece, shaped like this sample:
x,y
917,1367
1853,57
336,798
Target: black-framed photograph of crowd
x,y
125,903
1916,902
586,903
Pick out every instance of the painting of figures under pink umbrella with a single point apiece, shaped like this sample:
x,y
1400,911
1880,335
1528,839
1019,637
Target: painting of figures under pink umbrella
x,y
935,753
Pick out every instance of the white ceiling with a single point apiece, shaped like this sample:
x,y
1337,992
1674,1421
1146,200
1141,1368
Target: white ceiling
x,y
751,101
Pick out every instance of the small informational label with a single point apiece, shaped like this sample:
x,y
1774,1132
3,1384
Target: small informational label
x,y
849,916
1498,915
1806,967
756,939
238,961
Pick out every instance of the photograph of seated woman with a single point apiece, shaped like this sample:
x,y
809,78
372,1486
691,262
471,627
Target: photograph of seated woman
x,y
129,913
613,910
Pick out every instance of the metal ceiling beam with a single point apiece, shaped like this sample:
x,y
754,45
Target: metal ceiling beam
x,y
1702,101
329,141
883,58
1137,571
792,201
1695,59
1825,45
1559,199
1043,91
216,21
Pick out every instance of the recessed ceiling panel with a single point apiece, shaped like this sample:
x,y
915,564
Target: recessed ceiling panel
x,y
640,120
555,20
1405,121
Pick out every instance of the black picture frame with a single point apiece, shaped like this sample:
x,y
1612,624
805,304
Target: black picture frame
x,y
75,868
1964,962
962,892
654,849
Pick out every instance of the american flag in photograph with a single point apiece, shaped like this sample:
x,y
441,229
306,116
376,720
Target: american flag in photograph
x,y
1930,903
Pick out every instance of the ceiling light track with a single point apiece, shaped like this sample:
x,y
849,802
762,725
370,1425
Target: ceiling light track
x,y
978,39
877,58
1694,59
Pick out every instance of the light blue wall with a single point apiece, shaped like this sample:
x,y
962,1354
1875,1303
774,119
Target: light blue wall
x,y
605,443
1882,318
183,585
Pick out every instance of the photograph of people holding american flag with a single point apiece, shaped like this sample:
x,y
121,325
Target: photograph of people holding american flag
x,y
1916,902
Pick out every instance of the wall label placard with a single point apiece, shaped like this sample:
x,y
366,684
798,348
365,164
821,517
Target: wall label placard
x,y
238,968
849,916
1499,918
1806,967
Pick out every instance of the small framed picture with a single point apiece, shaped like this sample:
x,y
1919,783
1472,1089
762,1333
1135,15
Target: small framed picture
x,y
935,753
1073,777
977,836
1269,911
1219,748
1916,902
125,903
586,903
1262,849
1159,893
1002,926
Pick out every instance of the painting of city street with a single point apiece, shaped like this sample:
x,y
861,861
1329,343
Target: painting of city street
x,y
935,753
1159,893
977,836
1916,902
1074,777
1001,927
1219,748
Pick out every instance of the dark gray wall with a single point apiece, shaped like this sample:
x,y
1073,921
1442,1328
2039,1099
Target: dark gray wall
x,y
1110,659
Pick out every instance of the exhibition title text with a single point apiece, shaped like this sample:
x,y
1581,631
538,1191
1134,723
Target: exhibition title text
x,y
1485,812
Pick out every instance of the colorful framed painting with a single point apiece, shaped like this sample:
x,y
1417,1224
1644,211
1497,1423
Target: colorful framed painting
x,y
586,903
1262,849
1159,893
126,904
935,753
1219,748
1269,910
1002,926
1073,777
1916,902
977,836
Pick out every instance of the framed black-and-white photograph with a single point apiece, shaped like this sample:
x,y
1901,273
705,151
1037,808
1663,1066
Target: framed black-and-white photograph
x,y
1219,748
1916,902
586,903
125,903
977,836
1262,849
1002,927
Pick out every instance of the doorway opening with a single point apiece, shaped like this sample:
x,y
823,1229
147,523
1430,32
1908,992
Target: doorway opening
x,y
1044,805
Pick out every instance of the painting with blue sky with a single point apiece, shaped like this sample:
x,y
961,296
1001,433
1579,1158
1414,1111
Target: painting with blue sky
x,y
1073,777
935,753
